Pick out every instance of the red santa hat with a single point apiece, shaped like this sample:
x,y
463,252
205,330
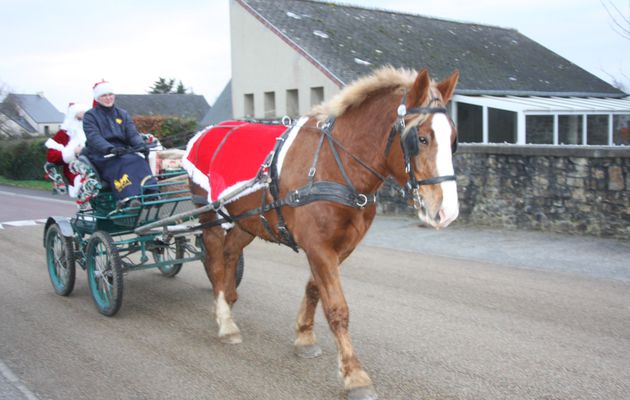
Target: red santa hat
x,y
101,88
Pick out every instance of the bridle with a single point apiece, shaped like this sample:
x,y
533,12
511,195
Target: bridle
x,y
410,144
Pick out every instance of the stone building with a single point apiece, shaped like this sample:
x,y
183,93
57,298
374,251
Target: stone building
x,y
543,139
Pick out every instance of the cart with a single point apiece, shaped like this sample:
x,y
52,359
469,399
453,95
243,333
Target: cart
x,y
103,239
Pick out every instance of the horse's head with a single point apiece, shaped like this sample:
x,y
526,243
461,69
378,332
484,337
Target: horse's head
x,y
428,139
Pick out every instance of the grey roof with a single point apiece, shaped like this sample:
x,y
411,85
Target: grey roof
x,y
222,108
347,42
37,107
180,105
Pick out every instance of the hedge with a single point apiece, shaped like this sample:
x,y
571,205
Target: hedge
x,y
23,159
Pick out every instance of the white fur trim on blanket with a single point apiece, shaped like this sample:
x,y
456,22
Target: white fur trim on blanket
x,y
248,186
195,175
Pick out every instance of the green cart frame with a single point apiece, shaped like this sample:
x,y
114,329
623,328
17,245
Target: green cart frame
x,y
104,240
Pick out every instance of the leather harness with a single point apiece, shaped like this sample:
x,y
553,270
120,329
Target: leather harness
x,y
344,194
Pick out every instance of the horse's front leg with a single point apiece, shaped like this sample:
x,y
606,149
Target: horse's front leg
x,y
214,241
325,270
305,342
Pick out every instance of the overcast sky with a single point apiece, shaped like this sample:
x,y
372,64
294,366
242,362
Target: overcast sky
x,y
63,47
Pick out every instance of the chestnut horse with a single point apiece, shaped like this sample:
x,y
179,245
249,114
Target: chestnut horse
x,y
392,123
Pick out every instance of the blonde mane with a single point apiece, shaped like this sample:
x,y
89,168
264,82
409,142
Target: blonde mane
x,y
356,92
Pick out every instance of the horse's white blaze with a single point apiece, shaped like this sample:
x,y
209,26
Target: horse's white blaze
x,y
450,206
224,317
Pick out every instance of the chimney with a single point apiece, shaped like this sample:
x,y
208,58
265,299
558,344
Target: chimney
x,y
40,94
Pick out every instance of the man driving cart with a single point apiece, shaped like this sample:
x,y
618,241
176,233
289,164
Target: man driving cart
x,y
113,144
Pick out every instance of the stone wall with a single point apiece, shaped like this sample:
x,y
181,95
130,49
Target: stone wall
x,y
567,189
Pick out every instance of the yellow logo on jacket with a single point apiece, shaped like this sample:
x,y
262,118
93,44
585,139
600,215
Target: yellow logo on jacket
x,y
118,121
122,183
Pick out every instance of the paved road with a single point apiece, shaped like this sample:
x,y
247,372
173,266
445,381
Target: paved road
x,y
456,314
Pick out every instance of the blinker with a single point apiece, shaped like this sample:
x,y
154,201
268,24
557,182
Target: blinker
x,y
410,144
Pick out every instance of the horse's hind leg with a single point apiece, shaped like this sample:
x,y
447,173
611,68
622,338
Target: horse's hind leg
x,y
305,342
214,243
235,240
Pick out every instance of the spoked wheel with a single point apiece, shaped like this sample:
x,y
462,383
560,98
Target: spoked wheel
x,y
60,260
240,267
105,275
169,253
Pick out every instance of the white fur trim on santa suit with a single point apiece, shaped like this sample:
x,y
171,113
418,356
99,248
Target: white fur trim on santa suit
x,y
53,145
102,88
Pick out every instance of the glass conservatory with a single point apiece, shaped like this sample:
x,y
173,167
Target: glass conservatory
x,y
542,120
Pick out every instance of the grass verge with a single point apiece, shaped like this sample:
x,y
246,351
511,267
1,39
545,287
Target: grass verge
x,y
34,184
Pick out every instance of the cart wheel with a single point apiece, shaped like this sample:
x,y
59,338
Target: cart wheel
x,y
240,267
172,252
60,260
104,273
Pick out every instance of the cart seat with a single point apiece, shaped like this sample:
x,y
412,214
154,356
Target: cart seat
x,y
85,160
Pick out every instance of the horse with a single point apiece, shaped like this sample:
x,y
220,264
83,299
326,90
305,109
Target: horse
x,y
392,123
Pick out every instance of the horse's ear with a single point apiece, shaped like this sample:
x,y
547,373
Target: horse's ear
x,y
447,86
419,90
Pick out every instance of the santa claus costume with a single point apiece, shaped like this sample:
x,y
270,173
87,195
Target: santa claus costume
x,y
66,144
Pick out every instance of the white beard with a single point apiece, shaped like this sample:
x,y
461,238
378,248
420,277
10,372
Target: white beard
x,y
77,139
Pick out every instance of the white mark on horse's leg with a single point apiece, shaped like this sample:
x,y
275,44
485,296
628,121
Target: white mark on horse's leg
x,y
304,337
356,379
305,341
228,331
450,206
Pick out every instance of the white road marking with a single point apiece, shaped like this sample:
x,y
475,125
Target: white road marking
x,y
15,382
46,199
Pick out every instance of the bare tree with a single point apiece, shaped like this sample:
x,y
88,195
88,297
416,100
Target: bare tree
x,y
620,20
620,23
8,111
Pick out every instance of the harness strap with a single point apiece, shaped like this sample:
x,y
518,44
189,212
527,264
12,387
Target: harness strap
x,y
329,191
285,235
318,191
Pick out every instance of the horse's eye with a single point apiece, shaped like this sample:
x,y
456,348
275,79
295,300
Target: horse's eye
x,y
423,140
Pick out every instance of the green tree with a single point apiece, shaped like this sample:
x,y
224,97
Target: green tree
x,y
181,89
167,86
162,86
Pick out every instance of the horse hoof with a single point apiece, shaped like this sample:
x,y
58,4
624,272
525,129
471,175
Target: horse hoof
x,y
308,351
232,338
362,393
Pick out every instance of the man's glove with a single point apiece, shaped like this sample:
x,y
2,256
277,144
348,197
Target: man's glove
x,y
144,149
118,151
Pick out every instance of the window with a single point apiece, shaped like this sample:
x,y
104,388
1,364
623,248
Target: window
x,y
570,129
621,125
317,95
249,105
293,103
270,105
539,129
597,129
46,130
501,126
469,123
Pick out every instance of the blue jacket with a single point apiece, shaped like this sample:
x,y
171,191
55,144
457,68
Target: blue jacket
x,y
108,127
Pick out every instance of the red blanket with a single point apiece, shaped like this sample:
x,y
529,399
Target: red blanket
x,y
229,153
